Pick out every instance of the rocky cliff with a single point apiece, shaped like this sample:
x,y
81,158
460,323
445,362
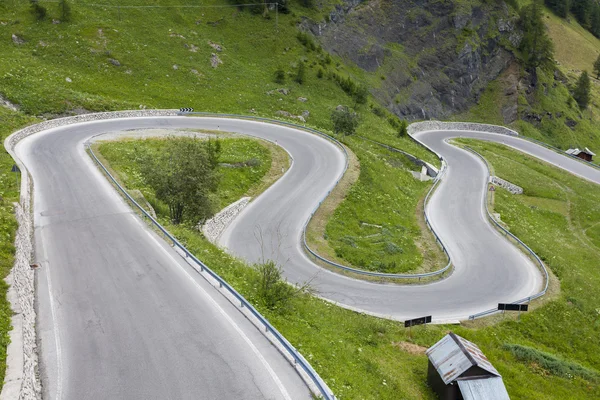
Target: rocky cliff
x,y
429,58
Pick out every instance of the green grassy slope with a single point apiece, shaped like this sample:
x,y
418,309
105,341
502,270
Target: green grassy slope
x,y
164,56
362,357
561,122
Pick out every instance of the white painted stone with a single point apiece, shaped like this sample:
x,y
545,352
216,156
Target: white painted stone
x,y
214,227
514,189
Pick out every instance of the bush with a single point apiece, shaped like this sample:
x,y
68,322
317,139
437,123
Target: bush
x,y
279,75
306,40
301,73
38,11
551,363
271,289
344,120
403,129
320,73
64,10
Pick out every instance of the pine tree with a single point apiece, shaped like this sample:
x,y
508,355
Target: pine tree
x,y
597,67
536,47
582,90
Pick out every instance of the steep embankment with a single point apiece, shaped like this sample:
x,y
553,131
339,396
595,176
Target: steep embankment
x,y
424,59
547,111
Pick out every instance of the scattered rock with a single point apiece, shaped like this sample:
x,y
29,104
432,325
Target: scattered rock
x,y
114,62
283,113
68,79
253,111
215,23
175,67
17,39
215,60
56,21
570,123
193,48
215,46
195,72
173,34
300,118
284,91
302,99
129,72
305,113
558,114
7,104
532,118
42,44
510,113
340,107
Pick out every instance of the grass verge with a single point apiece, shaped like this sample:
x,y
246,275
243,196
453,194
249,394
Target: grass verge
x,y
362,357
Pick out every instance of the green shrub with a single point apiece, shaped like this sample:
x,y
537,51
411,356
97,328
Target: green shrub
x,y
279,75
272,290
551,363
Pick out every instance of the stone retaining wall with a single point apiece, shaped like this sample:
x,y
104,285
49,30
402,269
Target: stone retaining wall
x,y
214,227
22,378
514,189
458,126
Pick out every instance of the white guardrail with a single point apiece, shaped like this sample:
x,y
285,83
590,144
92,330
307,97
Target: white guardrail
x,y
291,350
342,147
519,241
485,128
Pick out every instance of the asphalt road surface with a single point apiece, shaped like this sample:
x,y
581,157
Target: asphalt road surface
x,y
122,316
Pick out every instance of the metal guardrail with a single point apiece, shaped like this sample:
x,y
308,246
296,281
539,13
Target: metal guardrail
x,y
519,241
341,146
559,151
298,358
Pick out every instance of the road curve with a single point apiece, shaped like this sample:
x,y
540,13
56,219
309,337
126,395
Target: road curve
x,y
120,314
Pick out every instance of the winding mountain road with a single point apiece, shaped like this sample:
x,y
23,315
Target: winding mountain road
x,y
121,315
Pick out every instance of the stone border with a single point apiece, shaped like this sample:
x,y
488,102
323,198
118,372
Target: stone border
x,y
458,126
511,187
21,380
214,227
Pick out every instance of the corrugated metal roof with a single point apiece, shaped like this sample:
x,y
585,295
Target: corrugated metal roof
x,y
453,355
576,151
488,388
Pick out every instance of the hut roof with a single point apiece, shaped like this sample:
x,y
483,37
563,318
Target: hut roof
x,y
454,355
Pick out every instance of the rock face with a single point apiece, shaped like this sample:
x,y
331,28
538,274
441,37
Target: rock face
x,y
434,58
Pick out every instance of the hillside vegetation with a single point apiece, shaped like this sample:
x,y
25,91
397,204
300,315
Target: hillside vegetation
x,y
219,58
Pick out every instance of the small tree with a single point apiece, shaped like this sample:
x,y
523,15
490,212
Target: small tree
x,y
361,94
403,129
184,177
65,10
344,120
582,90
37,10
272,290
301,73
279,75
597,67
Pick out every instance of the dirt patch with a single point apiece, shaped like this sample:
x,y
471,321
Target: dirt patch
x,y
410,348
